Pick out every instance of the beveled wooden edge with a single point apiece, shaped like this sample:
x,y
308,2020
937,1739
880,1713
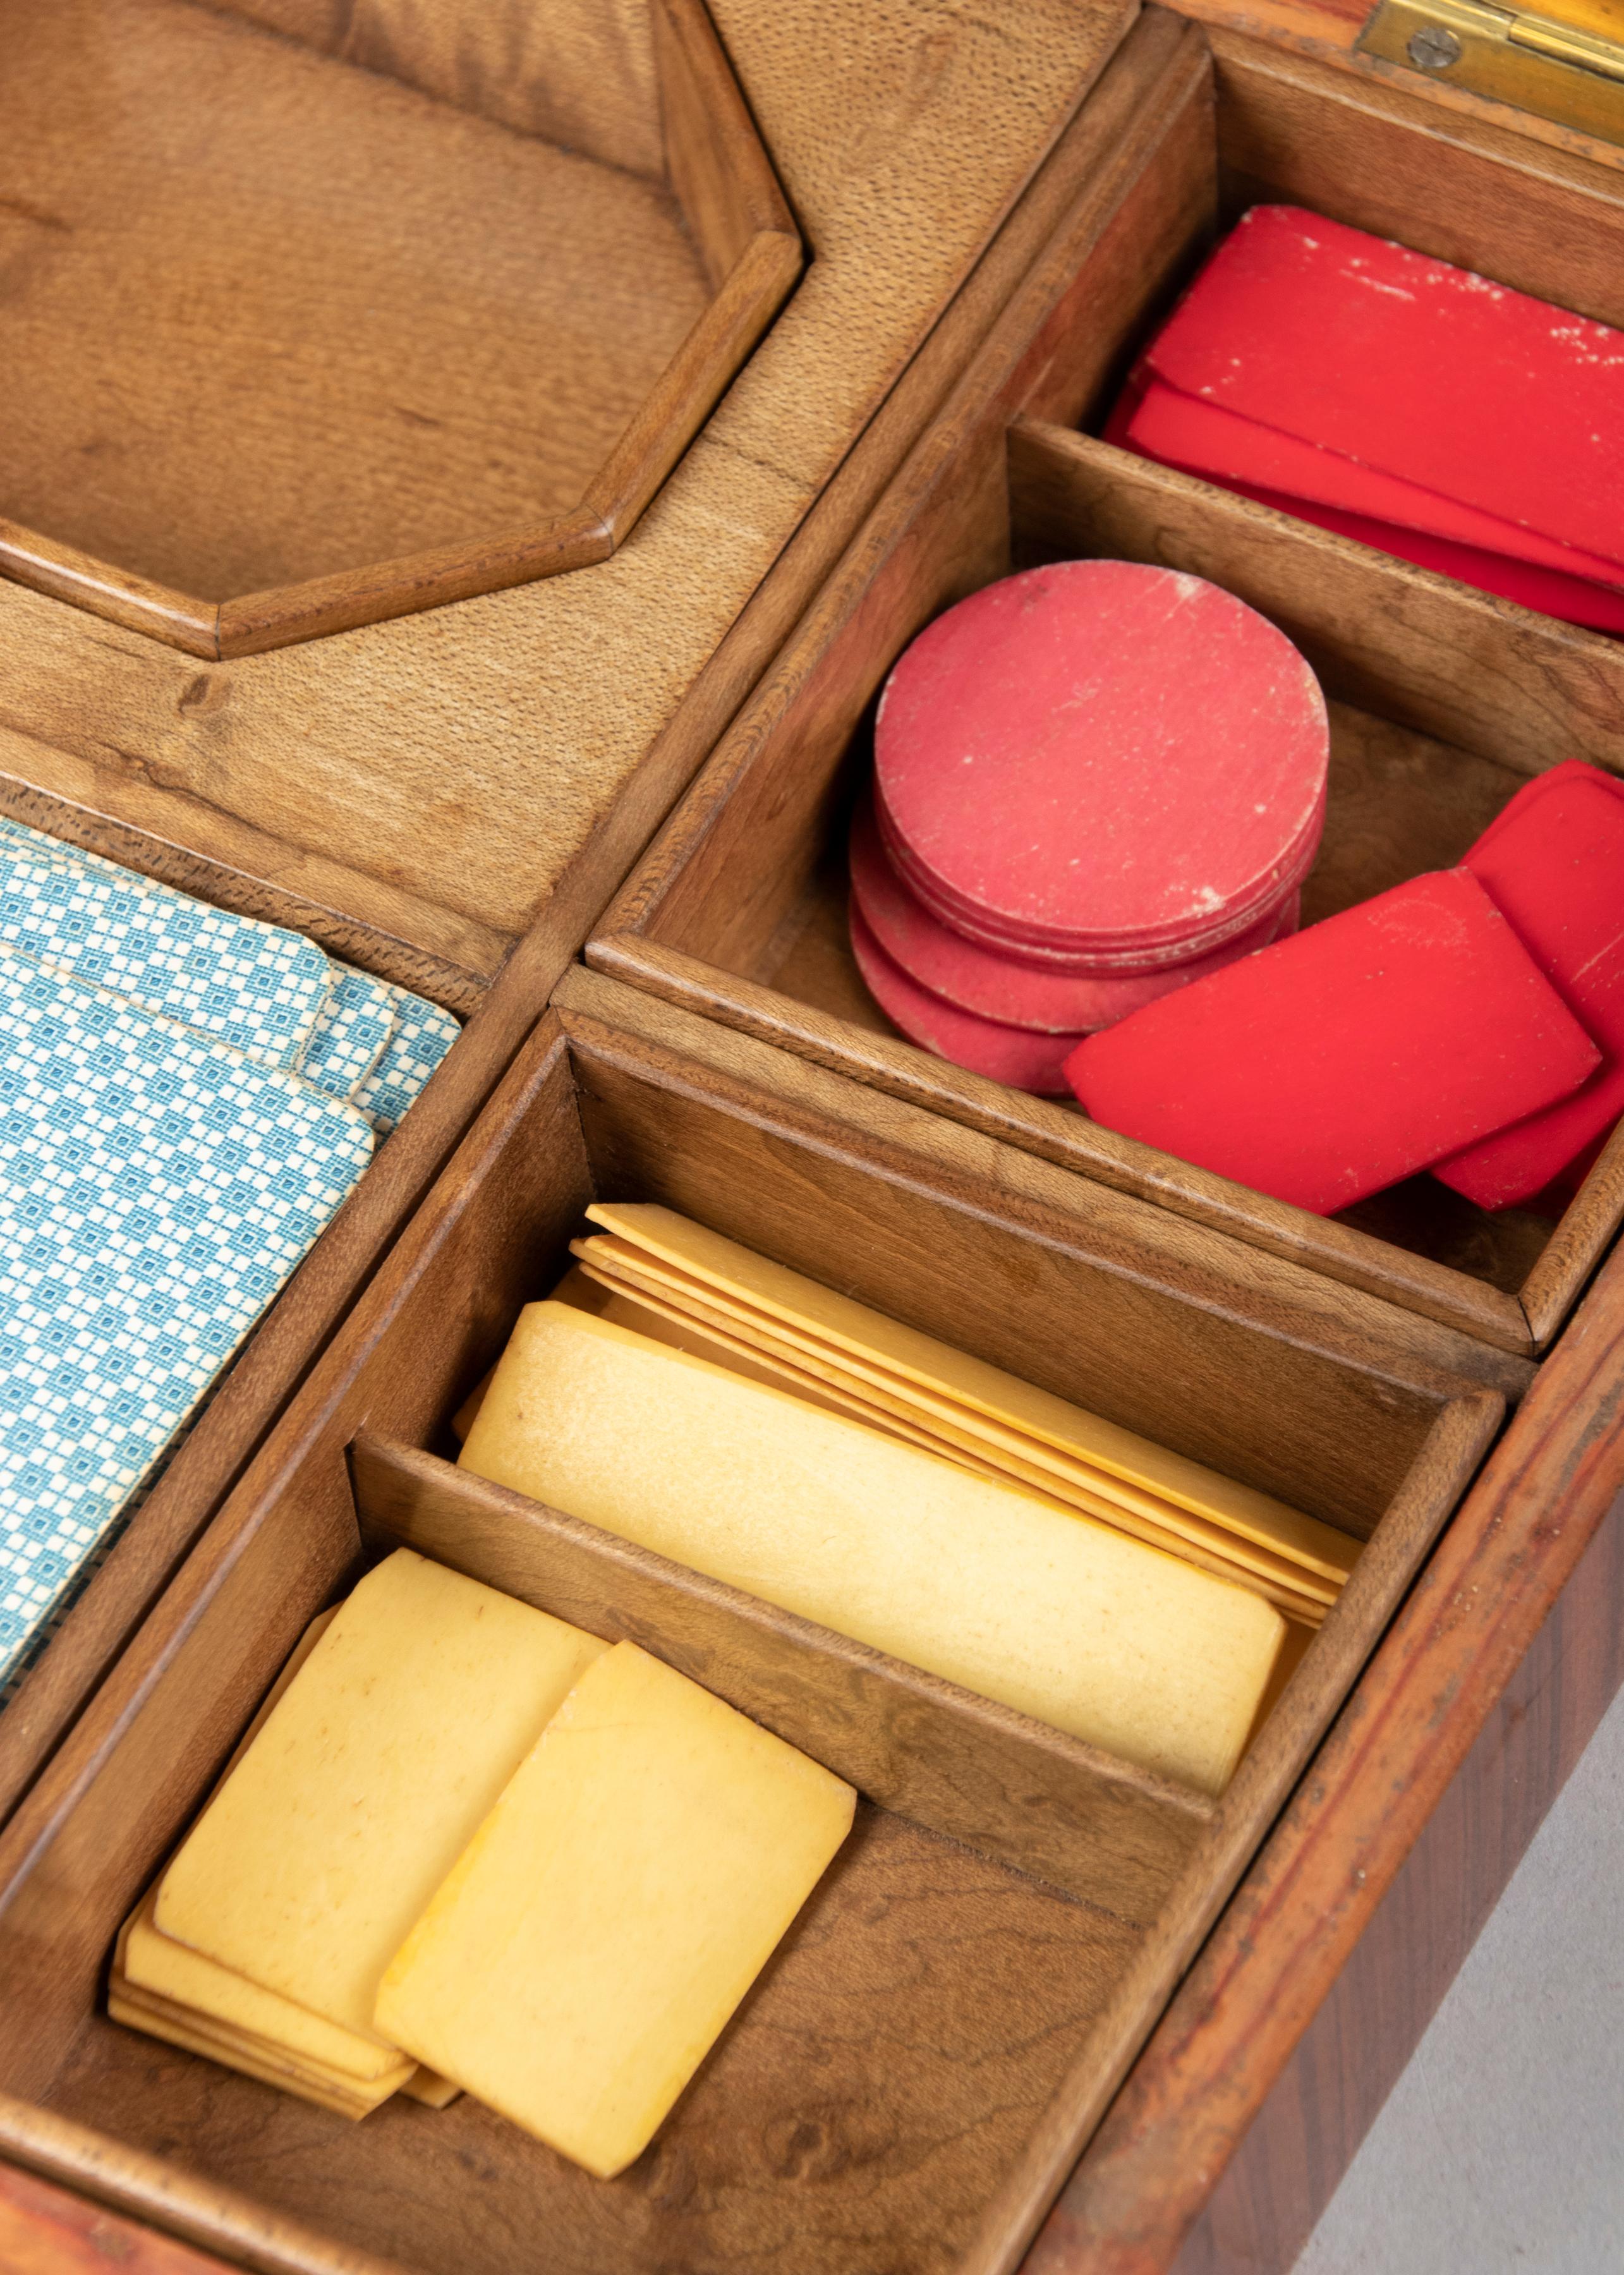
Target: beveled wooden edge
x,y
1338,1252
1002,1783
746,197
179,2203
65,573
458,986
1327,33
285,613
1486,1591
692,384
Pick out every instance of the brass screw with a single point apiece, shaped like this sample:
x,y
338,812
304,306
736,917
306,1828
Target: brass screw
x,y
1433,48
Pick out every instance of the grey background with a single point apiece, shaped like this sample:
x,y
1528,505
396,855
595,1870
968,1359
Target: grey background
x,y
1500,2150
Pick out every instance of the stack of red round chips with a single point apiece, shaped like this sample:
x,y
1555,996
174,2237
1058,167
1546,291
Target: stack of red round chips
x,y
1093,782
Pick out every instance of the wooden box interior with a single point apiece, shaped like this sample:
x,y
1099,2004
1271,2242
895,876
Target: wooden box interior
x,y
937,2018
374,790
1444,700
320,315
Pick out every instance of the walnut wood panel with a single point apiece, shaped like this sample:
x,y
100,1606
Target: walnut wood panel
x,y
934,2019
434,787
1417,1809
1451,698
961,1765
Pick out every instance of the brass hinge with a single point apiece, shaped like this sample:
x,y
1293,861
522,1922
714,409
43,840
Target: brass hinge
x,y
1572,72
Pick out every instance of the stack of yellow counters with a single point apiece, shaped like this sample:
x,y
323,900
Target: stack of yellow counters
x,y
685,1395
462,1825
818,1342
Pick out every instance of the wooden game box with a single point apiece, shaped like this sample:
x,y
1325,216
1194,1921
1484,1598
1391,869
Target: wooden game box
x,y
1045,2012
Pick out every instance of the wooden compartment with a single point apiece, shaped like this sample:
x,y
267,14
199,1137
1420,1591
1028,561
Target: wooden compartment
x,y
939,2015
438,324
1444,699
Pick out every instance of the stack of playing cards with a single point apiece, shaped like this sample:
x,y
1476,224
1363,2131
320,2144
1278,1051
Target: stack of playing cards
x,y
1400,401
187,1097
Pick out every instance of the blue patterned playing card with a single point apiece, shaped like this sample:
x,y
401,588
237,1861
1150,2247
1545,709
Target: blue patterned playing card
x,y
259,988
352,1032
156,1192
423,1035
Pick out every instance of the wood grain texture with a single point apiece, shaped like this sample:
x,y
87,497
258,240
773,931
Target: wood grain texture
x,y
900,2066
1528,216
995,1779
438,782
1449,699
1434,1779
395,326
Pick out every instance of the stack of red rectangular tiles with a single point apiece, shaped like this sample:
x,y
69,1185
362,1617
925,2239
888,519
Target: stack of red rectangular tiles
x,y
1471,1022
1399,400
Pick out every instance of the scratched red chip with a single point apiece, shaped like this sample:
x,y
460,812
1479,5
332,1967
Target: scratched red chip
x,y
996,985
1014,1055
1333,336
1101,761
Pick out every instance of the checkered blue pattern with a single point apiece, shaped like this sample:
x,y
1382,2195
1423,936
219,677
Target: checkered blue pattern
x,y
351,1033
260,989
157,1190
423,1035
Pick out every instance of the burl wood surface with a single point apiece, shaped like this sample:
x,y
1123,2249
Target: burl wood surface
x,y
430,782
1269,2066
45,2231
